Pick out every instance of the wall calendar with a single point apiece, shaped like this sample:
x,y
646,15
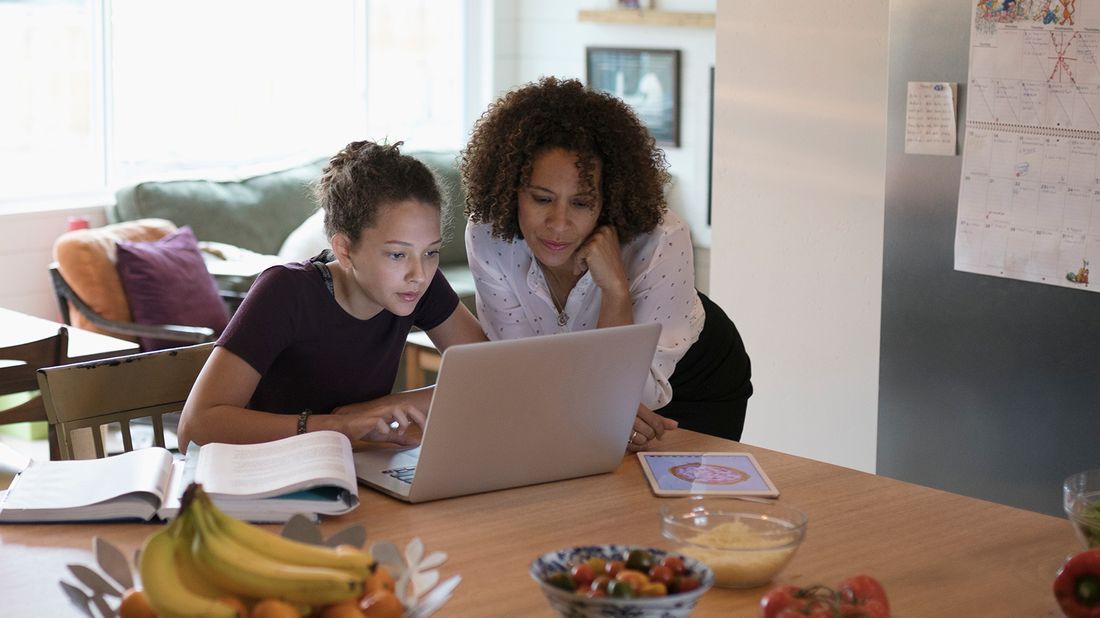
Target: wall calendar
x,y
1029,197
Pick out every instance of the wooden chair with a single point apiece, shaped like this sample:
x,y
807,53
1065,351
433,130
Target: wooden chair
x,y
18,364
119,390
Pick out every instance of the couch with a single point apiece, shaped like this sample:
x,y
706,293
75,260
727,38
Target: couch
x,y
274,213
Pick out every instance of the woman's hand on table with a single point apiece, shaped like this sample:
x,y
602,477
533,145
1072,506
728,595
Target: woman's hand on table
x,y
648,426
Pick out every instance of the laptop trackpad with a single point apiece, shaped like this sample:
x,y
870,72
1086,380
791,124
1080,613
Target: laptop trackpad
x,y
372,466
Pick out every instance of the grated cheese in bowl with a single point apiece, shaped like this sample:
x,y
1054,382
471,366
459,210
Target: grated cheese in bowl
x,y
745,543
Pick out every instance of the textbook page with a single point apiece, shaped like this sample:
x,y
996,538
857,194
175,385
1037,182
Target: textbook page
x,y
130,484
273,468
1029,195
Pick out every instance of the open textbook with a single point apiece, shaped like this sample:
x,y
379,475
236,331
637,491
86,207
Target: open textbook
x,y
311,473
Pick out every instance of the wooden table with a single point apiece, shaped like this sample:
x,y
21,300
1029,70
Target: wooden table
x,y
938,554
84,345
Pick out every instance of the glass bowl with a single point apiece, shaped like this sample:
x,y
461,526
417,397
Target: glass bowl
x,y
746,543
1081,500
577,605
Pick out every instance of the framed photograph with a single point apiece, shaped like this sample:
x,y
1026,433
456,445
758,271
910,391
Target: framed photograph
x,y
646,79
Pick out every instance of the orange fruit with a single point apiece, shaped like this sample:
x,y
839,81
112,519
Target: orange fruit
x,y
381,604
379,580
242,609
274,608
135,605
347,609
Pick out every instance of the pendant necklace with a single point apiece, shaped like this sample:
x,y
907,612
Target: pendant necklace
x,y
563,317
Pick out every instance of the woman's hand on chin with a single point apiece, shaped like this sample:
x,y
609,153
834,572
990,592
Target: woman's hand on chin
x,y
603,257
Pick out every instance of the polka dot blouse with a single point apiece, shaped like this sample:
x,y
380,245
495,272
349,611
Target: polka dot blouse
x,y
513,299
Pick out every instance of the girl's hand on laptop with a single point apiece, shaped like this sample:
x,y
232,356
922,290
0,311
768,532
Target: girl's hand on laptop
x,y
382,420
648,425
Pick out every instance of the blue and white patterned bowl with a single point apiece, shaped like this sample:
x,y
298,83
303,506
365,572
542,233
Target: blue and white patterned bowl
x,y
573,605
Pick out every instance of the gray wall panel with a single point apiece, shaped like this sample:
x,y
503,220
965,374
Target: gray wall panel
x,y
988,387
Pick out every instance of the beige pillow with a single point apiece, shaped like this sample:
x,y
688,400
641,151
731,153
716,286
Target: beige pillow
x,y
87,258
307,240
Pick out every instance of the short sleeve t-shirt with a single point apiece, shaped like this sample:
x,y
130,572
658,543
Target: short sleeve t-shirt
x,y
310,353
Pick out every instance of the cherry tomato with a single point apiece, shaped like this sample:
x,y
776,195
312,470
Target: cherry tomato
x,y
639,560
861,596
636,579
599,565
600,582
674,564
653,589
561,580
619,589
779,599
582,575
862,591
660,574
683,583
595,594
613,567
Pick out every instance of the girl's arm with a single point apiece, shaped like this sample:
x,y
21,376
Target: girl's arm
x,y
215,411
461,327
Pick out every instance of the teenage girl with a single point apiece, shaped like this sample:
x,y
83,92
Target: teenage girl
x,y
316,344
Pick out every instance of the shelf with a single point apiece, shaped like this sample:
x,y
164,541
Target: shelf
x,y
645,17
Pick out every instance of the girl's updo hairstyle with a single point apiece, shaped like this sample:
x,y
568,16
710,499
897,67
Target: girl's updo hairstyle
x,y
552,113
365,177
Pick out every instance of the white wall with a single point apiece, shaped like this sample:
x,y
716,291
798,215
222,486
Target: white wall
x,y
26,250
549,40
796,252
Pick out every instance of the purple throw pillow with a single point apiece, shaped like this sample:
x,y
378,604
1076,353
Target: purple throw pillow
x,y
166,282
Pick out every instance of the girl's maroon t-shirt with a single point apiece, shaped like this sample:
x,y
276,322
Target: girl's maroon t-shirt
x,y
310,353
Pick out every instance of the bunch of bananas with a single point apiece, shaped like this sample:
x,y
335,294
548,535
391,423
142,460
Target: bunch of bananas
x,y
204,556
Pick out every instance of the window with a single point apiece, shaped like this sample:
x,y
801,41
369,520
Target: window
x,y
50,120
108,92
415,76
210,84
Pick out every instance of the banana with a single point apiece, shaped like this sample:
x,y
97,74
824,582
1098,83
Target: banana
x,y
190,575
220,558
163,586
282,549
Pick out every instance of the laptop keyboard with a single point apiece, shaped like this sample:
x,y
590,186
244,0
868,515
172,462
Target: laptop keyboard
x,y
405,474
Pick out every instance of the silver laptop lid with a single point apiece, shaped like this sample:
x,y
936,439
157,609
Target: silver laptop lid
x,y
526,411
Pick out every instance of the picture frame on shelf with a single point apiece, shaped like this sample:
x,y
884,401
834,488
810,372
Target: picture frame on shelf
x,y
646,79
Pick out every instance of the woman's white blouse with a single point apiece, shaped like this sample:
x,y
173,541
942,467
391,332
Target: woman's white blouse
x,y
513,299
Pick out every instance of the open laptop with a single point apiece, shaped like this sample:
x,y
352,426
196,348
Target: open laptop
x,y
519,412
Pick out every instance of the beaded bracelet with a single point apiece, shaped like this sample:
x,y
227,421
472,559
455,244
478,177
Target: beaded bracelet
x,y
302,417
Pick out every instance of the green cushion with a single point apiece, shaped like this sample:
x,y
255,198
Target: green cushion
x,y
445,165
259,213
256,213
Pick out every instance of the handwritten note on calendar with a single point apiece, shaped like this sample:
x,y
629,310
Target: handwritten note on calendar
x,y
1029,196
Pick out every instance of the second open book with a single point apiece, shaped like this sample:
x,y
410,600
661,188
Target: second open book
x,y
310,473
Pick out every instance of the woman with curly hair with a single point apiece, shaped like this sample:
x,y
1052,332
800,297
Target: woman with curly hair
x,y
569,230
316,344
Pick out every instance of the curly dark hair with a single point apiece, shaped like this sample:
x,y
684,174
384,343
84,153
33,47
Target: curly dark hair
x,y
555,113
363,178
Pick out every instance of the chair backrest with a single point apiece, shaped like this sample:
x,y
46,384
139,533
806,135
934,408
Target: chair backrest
x,y
18,364
118,390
